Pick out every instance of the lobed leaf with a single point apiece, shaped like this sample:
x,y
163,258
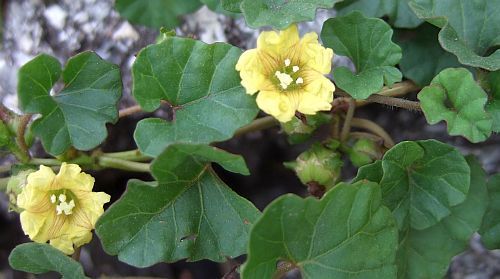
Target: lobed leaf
x,y
188,212
367,42
456,98
346,234
41,258
77,115
156,13
490,228
399,13
469,29
200,83
423,56
280,13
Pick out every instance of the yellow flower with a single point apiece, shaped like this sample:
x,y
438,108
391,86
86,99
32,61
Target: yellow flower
x,y
288,72
60,208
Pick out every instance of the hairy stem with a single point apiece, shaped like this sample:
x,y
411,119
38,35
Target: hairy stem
x,y
374,128
397,90
396,102
344,135
21,142
115,163
129,111
257,125
129,155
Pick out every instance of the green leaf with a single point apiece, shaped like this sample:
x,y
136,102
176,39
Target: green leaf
x,y
469,29
5,135
493,106
78,114
41,258
399,13
346,234
367,42
371,172
423,56
281,13
187,213
490,229
428,253
217,6
422,180
456,98
231,5
156,13
201,84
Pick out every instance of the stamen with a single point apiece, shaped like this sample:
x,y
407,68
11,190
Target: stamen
x,y
295,69
284,78
299,80
53,198
287,62
62,197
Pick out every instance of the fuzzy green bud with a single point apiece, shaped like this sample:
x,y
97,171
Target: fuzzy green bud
x,y
15,186
363,152
318,164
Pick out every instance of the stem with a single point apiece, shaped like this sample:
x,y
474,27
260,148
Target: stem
x,y
344,135
397,90
129,155
45,161
396,102
257,125
363,135
3,184
129,111
374,128
115,163
24,154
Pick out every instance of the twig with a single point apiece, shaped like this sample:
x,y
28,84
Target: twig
x,y
374,128
344,134
256,125
129,111
396,102
129,155
108,162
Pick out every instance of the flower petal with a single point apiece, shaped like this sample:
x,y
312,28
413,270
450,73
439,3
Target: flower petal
x,y
32,223
280,105
275,44
251,71
64,244
318,94
314,55
42,178
70,177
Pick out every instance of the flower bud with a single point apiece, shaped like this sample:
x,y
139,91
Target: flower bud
x,y
319,164
299,131
15,186
364,152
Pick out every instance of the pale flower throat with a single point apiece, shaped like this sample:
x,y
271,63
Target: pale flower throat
x,y
286,79
62,205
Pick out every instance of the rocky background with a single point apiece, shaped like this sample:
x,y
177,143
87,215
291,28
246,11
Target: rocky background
x,y
64,28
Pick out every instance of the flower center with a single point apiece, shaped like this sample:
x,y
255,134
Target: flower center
x,y
63,201
288,77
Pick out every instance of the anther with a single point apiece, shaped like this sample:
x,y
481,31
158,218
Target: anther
x,y
299,80
287,62
53,198
295,69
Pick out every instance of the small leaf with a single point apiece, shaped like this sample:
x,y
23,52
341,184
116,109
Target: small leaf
x,y
346,234
187,213
40,258
490,229
78,114
367,42
231,5
399,13
156,13
423,57
456,98
422,180
371,172
281,13
201,84
469,29
493,106
428,253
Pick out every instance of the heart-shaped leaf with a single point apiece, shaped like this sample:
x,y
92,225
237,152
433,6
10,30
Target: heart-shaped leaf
x,y
40,258
399,13
469,29
367,42
281,13
156,13
77,115
187,213
346,234
455,97
493,106
200,83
